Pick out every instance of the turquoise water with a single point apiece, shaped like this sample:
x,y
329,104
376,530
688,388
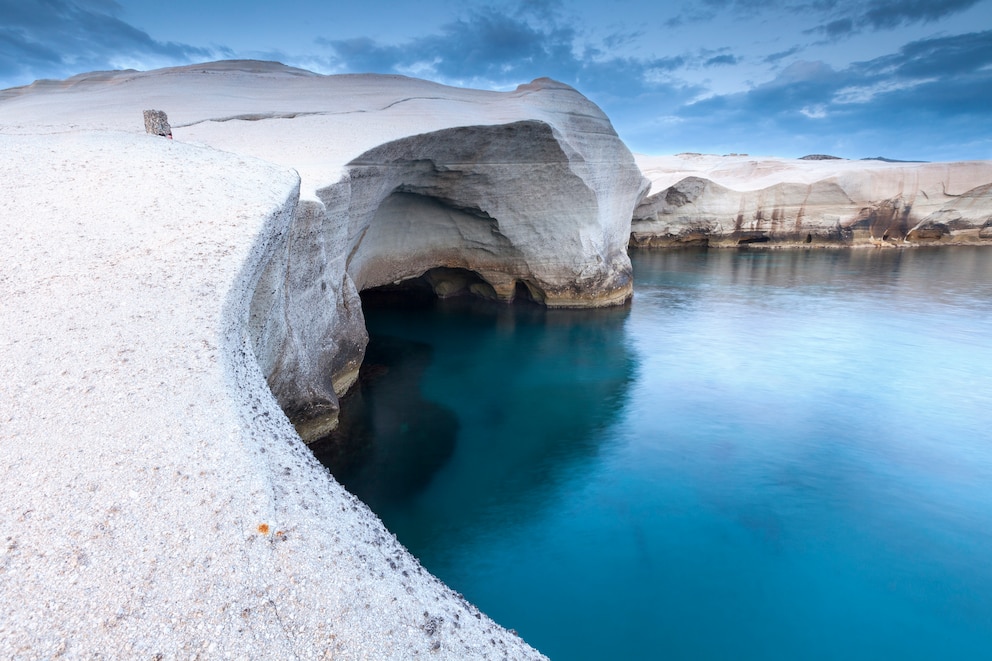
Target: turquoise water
x,y
766,455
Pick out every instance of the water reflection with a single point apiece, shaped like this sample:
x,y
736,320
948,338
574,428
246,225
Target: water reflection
x,y
468,411
933,275
769,455
390,440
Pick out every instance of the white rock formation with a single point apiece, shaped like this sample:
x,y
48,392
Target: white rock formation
x,y
733,200
160,299
531,190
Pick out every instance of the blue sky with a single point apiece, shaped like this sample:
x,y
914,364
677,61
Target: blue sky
x,y
906,79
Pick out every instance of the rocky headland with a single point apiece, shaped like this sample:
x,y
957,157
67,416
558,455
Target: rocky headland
x,y
526,193
737,200
180,310
168,302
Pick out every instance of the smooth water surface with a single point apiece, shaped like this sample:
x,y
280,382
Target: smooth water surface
x,y
767,455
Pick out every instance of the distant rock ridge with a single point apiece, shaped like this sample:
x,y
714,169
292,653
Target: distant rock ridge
x,y
889,160
698,200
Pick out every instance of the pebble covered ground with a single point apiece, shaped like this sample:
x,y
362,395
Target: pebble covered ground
x,y
156,503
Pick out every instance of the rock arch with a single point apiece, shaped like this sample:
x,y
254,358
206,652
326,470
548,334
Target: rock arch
x,y
517,206
503,201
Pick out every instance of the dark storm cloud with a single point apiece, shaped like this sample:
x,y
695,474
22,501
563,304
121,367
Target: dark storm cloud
x,y
923,74
939,56
487,48
47,38
926,84
841,27
362,54
489,43
17,52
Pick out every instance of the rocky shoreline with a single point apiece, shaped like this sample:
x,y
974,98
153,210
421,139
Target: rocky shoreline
x,y
735,201
168,302
170,305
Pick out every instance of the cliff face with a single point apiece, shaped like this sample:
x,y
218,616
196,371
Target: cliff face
x,y
736,200
166,301
526,193
515,203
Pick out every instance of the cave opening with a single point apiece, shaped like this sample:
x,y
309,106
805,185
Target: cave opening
x,y
436,283
388,453
522,293
444,283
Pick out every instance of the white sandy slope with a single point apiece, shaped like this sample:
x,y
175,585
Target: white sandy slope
x,y
155,499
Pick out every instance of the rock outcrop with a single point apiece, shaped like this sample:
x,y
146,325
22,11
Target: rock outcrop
x,y
517,204
529,193
157,123
737,200
164,303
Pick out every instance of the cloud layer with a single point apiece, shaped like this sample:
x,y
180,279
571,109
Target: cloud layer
x,y
835,18
931,90
941,83
45,38
768,76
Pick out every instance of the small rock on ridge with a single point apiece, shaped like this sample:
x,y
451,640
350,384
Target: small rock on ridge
x,y
157,123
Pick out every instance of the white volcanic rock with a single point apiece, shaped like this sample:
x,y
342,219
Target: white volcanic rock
x,y
160,299
531,191
733,200
156,500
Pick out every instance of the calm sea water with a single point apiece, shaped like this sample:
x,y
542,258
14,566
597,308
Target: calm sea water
x,y
767,455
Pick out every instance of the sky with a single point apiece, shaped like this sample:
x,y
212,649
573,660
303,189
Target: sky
x,y
902,79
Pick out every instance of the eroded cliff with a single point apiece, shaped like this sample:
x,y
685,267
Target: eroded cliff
x,y
165,302
738,200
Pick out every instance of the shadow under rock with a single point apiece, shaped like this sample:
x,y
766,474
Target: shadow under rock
x,y
390,440
471,415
